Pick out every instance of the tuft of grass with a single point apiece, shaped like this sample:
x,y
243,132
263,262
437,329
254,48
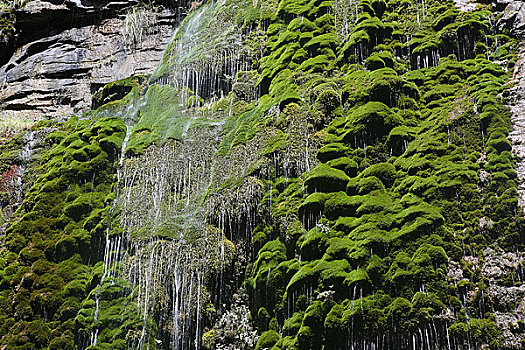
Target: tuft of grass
x,y
137,22
11,124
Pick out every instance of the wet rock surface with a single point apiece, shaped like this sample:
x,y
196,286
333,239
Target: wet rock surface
x,y
465,5
504,270
233,331
56,68
505,290
516,104
19,163
513,17
512,298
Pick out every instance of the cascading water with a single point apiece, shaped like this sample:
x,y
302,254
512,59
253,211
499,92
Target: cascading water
x,y
25,156
12,180
167,250
345,17
202,62
160,245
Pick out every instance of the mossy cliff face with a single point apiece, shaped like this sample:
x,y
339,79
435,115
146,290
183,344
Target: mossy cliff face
x,y
313,175
55,234
414,176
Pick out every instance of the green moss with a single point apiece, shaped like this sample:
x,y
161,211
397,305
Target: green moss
x,y
374,203
346,164
385,172
374,118
267,340
209,339
116,90
59,201
313,244
326,179
332,151
374,62
364,185
340,204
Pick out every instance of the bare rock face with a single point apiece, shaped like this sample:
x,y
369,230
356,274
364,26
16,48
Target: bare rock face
x,y
514,17
516,104
511,300
505,290
72,48
233,331
465,5
504,270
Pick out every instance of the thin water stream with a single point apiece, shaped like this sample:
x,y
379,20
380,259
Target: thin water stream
x,y
164,249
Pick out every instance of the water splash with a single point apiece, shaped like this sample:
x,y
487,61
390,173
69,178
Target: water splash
x,y
345,16
205,54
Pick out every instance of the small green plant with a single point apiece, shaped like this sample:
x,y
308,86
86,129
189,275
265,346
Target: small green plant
x,y
11,124
136,23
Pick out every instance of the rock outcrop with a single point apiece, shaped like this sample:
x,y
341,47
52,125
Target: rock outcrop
x,y
514,17
503,271
56,68
504,295
233,330
516,104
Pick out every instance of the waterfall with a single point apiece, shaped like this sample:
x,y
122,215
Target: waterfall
x,y
162,246
172,220
29,142
345,15
199,70
165,250
170,247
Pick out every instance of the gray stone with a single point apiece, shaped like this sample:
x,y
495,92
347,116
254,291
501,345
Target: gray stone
x,y
514,17
56,75
508,301
234,331
516,104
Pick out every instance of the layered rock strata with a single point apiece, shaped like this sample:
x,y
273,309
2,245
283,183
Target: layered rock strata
x,y
67,51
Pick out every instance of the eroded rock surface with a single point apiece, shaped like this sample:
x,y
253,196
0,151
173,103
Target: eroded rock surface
x,y
514,17
233,331
55,71
465,5
516,104
504,270
505,290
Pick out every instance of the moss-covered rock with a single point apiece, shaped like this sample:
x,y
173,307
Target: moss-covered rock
x,y
326,179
